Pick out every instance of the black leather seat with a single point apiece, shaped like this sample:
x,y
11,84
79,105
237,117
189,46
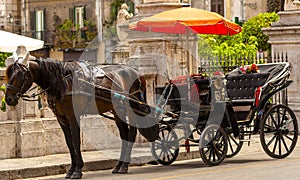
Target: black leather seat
x,y
241,87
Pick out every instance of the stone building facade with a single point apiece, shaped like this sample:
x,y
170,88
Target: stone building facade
x,y
28,129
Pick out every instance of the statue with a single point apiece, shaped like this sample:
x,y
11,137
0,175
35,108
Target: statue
x,y
123,18
291,5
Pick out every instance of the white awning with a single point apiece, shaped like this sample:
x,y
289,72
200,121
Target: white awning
x,y
10,41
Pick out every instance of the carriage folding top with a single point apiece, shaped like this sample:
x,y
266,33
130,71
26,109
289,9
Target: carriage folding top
x,y
241,87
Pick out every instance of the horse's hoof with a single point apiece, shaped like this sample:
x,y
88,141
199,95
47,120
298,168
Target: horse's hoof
x,y
123,170
76,175
68,175
116,170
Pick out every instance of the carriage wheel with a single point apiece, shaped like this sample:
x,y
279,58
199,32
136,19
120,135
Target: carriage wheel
x,y
166,149
213,145
234,145
279,131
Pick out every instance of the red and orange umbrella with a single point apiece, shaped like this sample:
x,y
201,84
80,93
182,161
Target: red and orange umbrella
x,y
181,20
177,21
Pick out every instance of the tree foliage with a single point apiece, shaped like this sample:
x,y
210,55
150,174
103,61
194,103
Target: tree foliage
x,y
246,43
253,28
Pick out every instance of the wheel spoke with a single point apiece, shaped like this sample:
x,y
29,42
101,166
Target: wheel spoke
x,y
214,155
273,120
269,128
270,142
235,142
275,145
279,144
284,144
289,138
218,154
278,117
210,154
206,151
230,146
283,116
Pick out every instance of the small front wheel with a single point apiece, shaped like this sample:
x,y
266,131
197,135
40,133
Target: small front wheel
x,y
234,145
166,149
279,131
213,145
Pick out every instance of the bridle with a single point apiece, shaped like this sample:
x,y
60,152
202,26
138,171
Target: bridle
x,y
27,77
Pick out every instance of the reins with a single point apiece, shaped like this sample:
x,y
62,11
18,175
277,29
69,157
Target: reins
x,y
33,95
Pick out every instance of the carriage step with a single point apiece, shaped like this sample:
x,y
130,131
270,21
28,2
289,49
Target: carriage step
x,y
245,140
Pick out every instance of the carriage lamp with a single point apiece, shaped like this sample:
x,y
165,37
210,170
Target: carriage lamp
x,y
218,96
218,83
218,88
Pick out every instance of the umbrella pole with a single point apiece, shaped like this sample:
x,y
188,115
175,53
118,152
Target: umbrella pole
x,y
188,62
187,51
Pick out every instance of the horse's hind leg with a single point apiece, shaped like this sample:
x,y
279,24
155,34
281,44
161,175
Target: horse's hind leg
x,y
128,134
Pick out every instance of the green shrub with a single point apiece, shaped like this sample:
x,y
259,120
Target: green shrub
x,y
3,56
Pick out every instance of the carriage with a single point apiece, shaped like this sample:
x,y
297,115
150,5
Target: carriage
x,y
220,113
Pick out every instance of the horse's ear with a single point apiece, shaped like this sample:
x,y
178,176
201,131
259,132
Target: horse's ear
x,y
21,55
25,60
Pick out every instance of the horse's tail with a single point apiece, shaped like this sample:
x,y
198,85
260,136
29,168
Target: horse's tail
x,y
147,123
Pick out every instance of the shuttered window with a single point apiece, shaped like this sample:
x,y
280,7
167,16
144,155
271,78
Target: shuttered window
x,y
78,15
217,6
37,23
40,24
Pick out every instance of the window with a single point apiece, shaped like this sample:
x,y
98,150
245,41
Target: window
x,y
39,26
37,23
217,6
77,15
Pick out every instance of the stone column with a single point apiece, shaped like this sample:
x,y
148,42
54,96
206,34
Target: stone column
x,y
284,36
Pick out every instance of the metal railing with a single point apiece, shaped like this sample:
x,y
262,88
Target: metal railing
x,y
65,39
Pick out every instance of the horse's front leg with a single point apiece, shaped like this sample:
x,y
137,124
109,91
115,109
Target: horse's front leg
x,y
128,134
69,141
71,130
75,130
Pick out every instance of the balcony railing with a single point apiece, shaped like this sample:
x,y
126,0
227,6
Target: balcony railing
x,y
64,39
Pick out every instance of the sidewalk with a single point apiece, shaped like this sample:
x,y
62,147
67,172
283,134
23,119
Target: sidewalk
x,y
96,160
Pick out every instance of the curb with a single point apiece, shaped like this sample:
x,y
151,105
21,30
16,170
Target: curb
x,y
40,171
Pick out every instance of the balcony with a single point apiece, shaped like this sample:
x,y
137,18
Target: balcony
x,y
74,38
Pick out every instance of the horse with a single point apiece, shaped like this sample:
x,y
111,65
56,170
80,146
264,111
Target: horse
x,y
57,78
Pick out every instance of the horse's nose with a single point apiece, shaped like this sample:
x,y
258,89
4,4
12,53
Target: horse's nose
x,y
9,101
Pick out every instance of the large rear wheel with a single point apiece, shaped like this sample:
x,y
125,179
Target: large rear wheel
x,y
279,131
213,145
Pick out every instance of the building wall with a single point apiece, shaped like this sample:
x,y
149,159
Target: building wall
x,y
253,8
56,7
9,15
243,9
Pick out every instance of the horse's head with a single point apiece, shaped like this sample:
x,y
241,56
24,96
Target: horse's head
x,y
19,78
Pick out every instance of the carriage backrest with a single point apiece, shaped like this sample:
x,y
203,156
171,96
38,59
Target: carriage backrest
x,y
242,86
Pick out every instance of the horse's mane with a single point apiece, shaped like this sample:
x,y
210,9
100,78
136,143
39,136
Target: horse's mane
x,y
56,76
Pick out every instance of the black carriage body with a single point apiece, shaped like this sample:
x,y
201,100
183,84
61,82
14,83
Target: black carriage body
x,y
241,102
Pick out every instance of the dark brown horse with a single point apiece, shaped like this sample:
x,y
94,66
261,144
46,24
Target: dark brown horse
x,y
58,78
